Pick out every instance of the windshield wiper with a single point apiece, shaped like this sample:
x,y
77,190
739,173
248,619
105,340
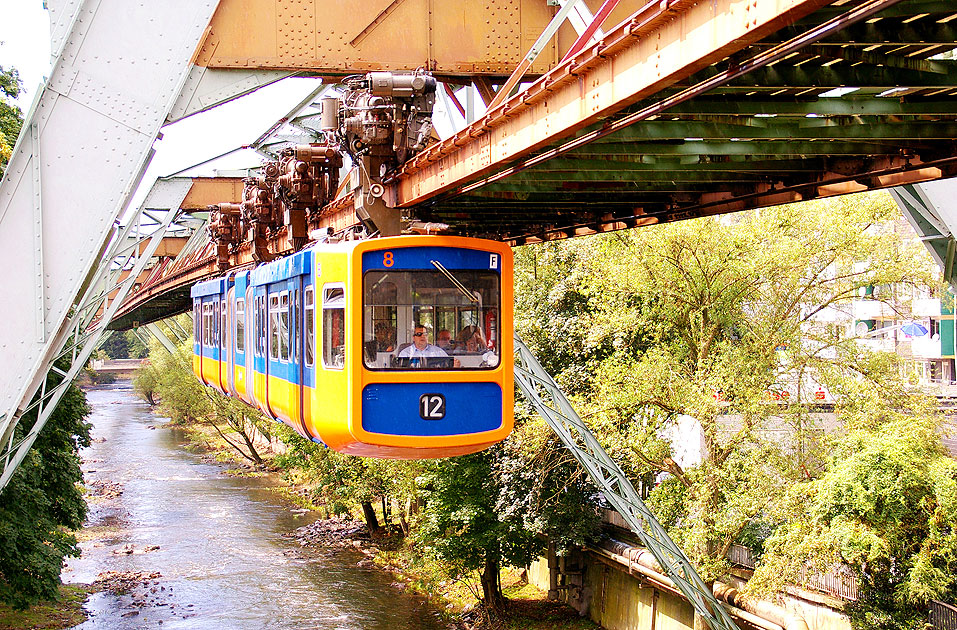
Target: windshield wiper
x,y
455,281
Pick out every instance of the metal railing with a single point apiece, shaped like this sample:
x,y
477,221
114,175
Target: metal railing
x,y
841,582
943,616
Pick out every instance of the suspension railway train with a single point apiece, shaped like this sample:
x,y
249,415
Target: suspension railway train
x,y
395,347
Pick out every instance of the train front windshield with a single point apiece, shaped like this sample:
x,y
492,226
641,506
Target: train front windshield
x,y
438,320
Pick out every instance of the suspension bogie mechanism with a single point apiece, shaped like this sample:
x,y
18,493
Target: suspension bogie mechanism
x,y
381,120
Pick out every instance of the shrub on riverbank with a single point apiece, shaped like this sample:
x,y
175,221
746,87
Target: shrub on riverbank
x,y
65,612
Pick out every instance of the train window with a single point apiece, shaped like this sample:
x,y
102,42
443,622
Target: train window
x,y
274,326
284,326
261,300
240,325
214,315
309,342
196,321
223,328
259,330
333,327
457,313
206,325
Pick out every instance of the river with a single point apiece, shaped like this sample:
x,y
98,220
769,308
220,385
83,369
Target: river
x,y
215,540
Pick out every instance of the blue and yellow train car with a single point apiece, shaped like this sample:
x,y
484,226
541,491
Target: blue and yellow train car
x,y
394,347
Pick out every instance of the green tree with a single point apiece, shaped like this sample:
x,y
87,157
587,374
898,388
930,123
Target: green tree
x,y
11,118
887,507
42,503
703,320
168,382
343,482
116,346
461,526
543,488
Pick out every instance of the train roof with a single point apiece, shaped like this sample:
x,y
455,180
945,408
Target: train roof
x,y
216,286
297,264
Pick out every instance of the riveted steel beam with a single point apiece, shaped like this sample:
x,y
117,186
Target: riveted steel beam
x,y
95,120
790,106
660,46
864,128
451,37
729,147
811,75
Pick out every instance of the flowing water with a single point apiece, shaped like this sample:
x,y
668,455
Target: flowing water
x,y
222,560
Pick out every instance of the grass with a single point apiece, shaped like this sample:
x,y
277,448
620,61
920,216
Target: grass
x,y
65,613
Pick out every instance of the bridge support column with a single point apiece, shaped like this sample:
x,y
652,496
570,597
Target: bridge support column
x,y
79,337
931,210
544,394
93,127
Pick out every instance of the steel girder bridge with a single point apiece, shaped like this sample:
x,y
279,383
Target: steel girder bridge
x,y
594,116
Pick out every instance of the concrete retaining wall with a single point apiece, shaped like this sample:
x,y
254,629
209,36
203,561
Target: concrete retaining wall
x,y
605,592
618,601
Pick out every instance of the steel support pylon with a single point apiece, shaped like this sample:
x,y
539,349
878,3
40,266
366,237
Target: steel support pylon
x,y
542,391
96,301
120,66
931,210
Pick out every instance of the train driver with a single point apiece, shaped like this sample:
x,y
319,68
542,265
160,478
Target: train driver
x,y
422,348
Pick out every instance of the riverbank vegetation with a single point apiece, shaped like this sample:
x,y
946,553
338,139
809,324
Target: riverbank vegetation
x,y
735,328
43,503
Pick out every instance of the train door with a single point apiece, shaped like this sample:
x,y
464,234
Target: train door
x,y
250,332
295,366
307,356
260,364
277,358
229,354
217,314
197,339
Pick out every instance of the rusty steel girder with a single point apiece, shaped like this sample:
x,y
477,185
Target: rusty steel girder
x,y
450,37
660,45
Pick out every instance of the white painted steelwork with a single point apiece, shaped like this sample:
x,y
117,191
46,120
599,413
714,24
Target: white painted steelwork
x,y
96,301
931,209
120,66
206,88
